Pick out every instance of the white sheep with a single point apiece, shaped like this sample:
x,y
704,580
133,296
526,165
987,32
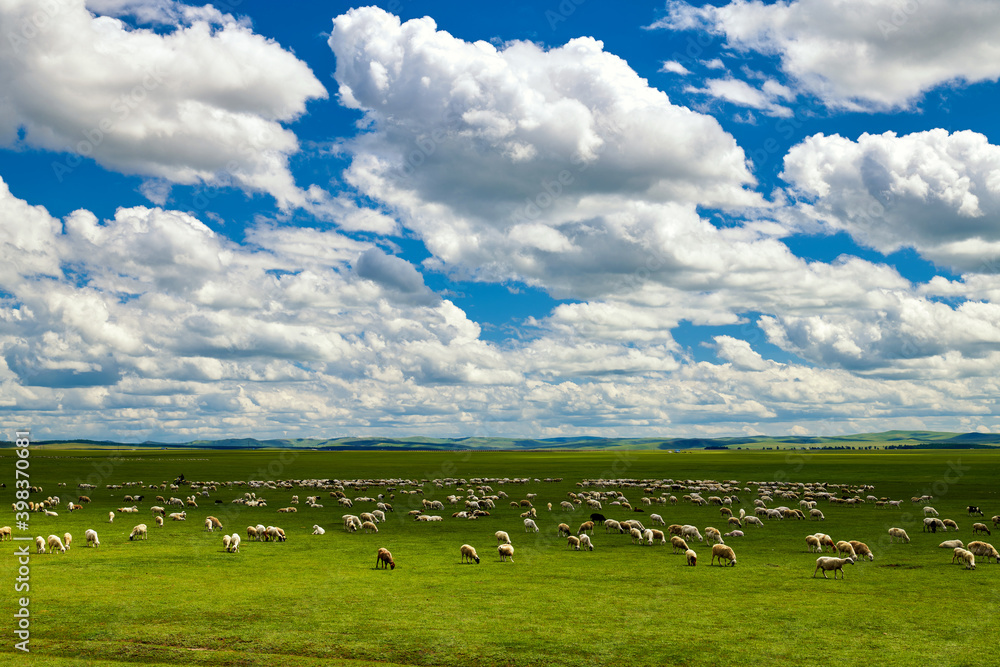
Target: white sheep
x,y
275,534
980,528
827,563
657,520
690,556
234,543
318,530
636,535
138,532
733,533
951,544
930,511
67,540
502,537
369,527
252,533
844,547
688,531
713,535
111,517
529,526
178,516
611,524
40,544
585,542
753,521
984,550
226,541
469,553
208,525
818,516
506,551
965,556
158,520
56,544
898,533
814,544
91,537
721,551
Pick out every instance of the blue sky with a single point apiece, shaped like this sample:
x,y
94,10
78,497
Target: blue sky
x,y
529,219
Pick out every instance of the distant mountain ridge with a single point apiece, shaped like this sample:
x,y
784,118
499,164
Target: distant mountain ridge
x,y
887,439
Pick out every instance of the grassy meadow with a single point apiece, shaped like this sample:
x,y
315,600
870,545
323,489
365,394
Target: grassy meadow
x,y
178,598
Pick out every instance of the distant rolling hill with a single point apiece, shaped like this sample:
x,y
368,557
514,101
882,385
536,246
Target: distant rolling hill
x,y
887,439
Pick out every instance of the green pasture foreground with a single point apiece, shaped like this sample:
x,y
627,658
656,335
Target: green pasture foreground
x,y
178,598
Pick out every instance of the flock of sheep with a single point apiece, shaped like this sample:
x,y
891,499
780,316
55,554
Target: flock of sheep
x,y
474,499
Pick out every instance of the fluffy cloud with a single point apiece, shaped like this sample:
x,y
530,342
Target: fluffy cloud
x,y
514,163
936,192
202,103
767,98
859,54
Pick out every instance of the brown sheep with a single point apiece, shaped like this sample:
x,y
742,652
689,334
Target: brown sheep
x,y
385,558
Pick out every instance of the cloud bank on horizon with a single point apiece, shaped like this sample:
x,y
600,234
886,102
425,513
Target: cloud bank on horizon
x,y
756,218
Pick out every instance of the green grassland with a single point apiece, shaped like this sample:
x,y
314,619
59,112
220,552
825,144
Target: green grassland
x,y
178,598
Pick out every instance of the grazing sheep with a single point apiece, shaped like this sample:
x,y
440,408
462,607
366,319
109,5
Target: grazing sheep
x,y
675,529
814,544
5,532
691,557
996,520
91,537
563,529
111,517
469,554
984,550
817,515
965,556
931,524
215,522
503,537
612,525
574,542
678,544
688,531
585,542
226,541
826,541
657,520
138,532
158,520
721,551
844,547
898,533
598,518
234,544
980,528
827,563
318,530
179,516
658,536
56,544
252,533
208,525
529,526
713,535
155,509
753,521
733,533
930,511
506,551
951,544
369,527
585,526
275,534
40,544
862,550
948,523
67,540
